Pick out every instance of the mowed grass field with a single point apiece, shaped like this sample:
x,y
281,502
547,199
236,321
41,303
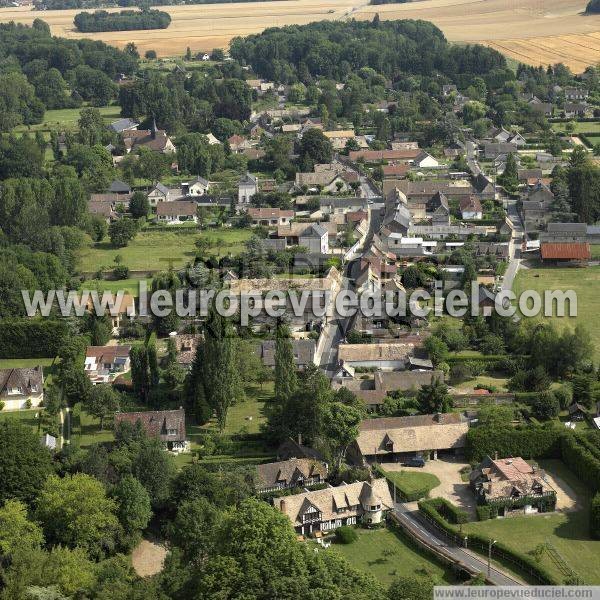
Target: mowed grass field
x,y
66,119
585,282
156,250
568,532
386,555
512,27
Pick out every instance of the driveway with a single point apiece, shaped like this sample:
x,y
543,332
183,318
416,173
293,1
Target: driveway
x,y
451,485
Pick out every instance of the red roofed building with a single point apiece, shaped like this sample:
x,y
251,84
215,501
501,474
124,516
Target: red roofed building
x,y
395,171
270,216
378,155
166,425
573,251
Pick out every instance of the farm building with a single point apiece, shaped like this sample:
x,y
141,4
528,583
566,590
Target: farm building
x,y
396,439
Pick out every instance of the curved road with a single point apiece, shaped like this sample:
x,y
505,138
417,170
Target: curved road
x,y
421,528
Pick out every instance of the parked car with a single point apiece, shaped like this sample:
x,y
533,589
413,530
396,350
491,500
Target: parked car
x,y
416,461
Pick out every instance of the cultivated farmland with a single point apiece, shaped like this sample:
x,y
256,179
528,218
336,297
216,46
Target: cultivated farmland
x,y
532,31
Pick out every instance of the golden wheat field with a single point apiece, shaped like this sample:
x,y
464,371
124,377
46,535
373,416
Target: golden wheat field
x,y
532,31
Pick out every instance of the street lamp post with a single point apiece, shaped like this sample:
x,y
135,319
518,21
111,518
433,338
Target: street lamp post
x,y
492,542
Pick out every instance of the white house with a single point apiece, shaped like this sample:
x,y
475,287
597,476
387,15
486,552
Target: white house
x,y
104,363
425,160
21,388
197,187
470,208
332,507
179,211
247,187
161,193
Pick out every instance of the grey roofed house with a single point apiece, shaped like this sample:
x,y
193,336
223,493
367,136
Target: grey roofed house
x,y
304,352
119,187
398,220
494,149
580,228
290,448
390,381
438,200
27,380
527,174
541,193
123,125
483,186
285,474
565,232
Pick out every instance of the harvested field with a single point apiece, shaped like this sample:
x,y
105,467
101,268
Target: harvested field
x,y
533,31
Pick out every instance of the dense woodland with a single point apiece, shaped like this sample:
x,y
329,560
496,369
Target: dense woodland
x,y
125,20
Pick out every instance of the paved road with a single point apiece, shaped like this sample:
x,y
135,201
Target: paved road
x,y
515,245
408,515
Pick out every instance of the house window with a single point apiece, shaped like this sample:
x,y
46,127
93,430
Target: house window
x,y
171,431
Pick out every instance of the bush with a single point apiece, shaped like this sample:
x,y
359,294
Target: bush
x,y
483,512
121,272
595,517
460,373
345,535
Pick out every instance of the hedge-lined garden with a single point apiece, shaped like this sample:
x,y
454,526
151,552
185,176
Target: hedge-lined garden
x,y
410,485
446,517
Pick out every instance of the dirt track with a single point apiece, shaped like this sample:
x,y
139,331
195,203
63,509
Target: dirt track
x,y
535,31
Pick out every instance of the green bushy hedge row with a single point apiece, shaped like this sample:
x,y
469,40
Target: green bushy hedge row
x,y
595,517
527,563
31,338
578,457
527,442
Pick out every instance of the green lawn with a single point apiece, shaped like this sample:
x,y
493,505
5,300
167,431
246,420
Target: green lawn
x,y
585,282
467,387
567,532
593,126
411,482
595,249
23,363
26,417
130,286
66,119
153,250
386,555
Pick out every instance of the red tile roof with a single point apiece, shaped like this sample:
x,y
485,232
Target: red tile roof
x,y
566,251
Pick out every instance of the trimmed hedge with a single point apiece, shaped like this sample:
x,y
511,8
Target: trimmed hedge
x,y
31,338
447,510
595,517
580,459
483,512
525,562
527,442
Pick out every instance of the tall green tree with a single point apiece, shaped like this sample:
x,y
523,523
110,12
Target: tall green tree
x,y
75,511
434,398
286,381
214,379
24,462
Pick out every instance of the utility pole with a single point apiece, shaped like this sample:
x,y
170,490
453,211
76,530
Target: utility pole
x,y
491,543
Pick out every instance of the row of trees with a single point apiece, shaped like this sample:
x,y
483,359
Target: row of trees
x,y
126,20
